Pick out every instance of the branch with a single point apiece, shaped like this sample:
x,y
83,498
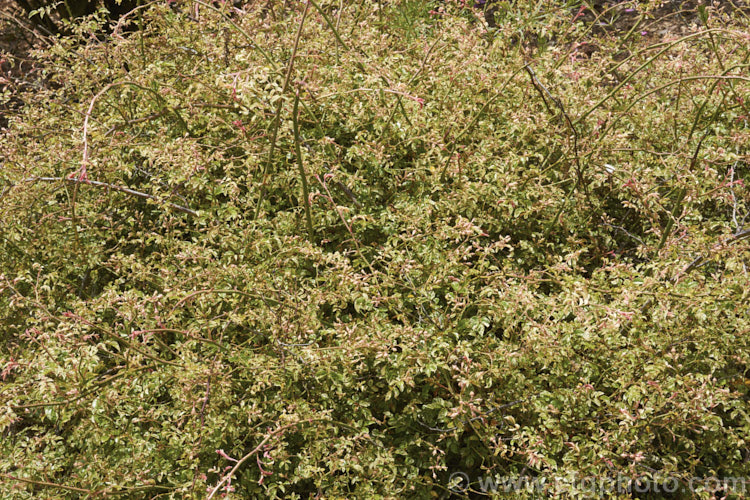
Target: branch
x,y
253,452
701,259
139,194
47,484
565,118
695,264
88,493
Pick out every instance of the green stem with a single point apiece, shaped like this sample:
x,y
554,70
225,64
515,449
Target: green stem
x,y
277,119
637,70
302,174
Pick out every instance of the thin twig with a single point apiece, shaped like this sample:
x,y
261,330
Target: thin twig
x,y
346,224
91,493
480,417
47,484
366,89
474,120
82,173
626,232
543,90
253,452
666,45
697,262
206,399
139,194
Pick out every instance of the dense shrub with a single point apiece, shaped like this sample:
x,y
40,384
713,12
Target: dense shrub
x,y
310,252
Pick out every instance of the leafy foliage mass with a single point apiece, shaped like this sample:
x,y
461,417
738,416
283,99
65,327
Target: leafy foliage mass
x,y
347,249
